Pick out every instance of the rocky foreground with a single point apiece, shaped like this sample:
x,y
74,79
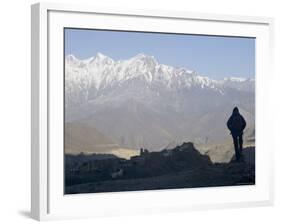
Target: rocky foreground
x,y
181,167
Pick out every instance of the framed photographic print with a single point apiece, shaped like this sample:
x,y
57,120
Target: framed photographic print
x,y
148,111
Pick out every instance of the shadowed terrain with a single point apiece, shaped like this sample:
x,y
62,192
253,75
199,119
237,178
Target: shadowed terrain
x,y
181,167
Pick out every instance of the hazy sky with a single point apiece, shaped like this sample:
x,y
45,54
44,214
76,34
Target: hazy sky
x,y
214,56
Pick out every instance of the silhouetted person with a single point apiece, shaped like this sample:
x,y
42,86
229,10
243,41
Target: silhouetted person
x,y
236,124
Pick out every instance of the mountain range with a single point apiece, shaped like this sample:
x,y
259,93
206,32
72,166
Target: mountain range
x,y
141,103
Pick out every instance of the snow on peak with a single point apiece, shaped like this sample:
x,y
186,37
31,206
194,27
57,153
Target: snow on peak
x,y
100,59
144,59
235,79
98,73
100,56
71,58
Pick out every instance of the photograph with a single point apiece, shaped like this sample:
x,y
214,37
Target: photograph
x,y
157,111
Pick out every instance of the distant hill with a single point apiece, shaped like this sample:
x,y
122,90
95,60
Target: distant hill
x,y
82,138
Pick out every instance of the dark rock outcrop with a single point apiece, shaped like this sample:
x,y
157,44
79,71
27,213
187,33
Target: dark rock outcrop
x,y
181,167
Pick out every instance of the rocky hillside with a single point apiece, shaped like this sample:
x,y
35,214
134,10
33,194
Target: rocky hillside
x,y
181,167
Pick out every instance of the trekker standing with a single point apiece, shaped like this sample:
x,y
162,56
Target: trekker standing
x,y
236,124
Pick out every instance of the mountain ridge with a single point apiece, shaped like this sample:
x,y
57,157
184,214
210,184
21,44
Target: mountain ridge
x,y
140,103
95,74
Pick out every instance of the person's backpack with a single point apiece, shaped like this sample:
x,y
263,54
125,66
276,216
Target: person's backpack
x,y
237,123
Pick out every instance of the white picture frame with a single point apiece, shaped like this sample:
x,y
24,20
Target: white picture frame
x,y
47,198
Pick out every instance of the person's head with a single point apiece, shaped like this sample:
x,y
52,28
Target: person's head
x,y
235,110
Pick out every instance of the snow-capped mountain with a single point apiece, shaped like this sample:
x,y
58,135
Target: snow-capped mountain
x,y
85,79
139,102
